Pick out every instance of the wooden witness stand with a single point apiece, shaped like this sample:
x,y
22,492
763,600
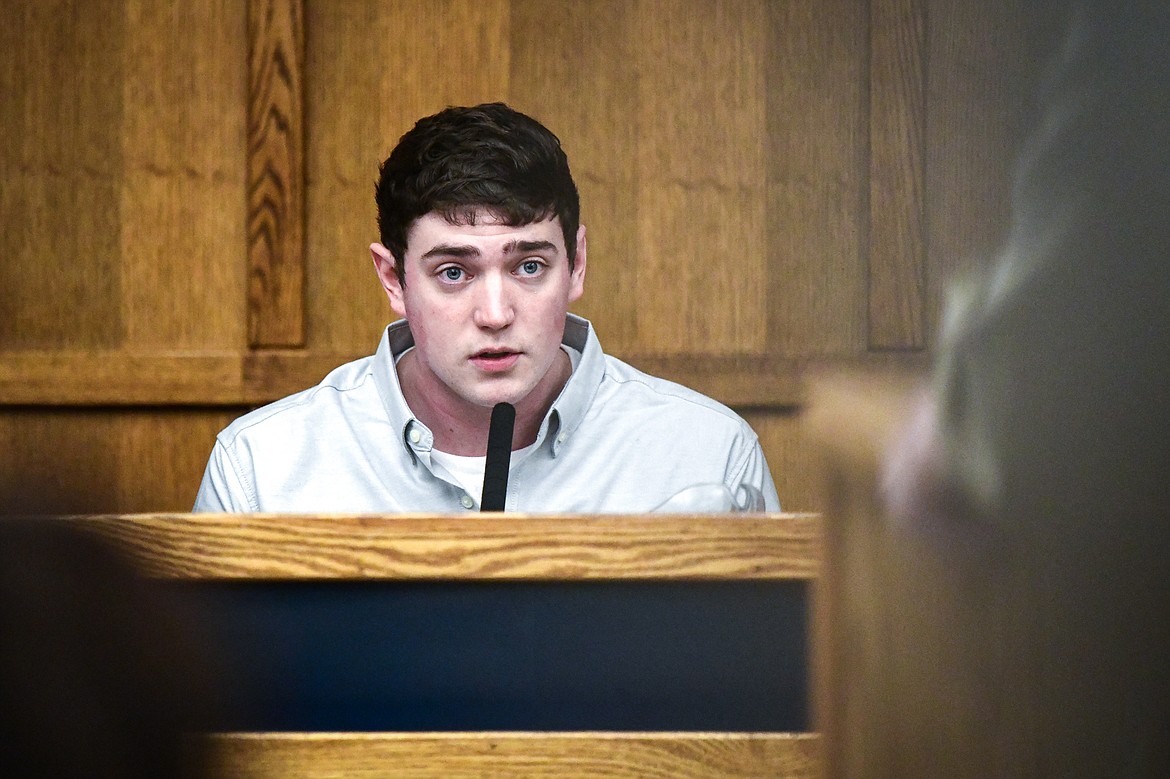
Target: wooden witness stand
x,y
486,548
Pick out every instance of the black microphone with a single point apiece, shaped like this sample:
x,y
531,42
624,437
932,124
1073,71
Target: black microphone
x,y
499,455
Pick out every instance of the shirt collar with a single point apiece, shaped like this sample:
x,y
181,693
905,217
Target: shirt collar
x,y
563,418
570,407
396,339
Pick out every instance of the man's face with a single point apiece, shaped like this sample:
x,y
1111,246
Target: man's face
x,y
486,304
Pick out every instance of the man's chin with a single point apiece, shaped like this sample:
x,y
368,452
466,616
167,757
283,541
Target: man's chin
x,y
490,403
490,398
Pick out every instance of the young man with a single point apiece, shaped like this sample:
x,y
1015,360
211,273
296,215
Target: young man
x,y
481,255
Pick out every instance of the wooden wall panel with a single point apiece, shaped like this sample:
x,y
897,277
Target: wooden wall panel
x,y
183,201
162,455
794,467
816,152
61,75
700,165
99,460
57,460
345,47
122,179
969,163
276,174
897,120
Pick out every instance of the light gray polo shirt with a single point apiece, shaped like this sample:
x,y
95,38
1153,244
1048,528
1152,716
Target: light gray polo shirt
x,y
615,440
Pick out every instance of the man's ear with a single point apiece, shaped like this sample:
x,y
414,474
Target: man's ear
x,y
577,278
387,269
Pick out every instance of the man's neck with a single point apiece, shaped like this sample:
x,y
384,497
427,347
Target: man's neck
x,y
461,428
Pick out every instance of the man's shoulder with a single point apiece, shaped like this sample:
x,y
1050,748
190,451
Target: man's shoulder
x,y
319,400
624,381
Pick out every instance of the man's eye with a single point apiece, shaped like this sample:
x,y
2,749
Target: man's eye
x,y
452,274
530,267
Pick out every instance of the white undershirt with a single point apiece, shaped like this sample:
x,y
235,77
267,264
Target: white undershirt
x,y
467,471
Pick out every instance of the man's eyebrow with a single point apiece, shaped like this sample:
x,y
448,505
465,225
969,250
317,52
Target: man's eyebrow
x,y
520,247
451,250
464,251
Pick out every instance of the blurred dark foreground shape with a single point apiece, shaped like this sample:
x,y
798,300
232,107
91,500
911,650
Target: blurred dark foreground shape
x,y
101,675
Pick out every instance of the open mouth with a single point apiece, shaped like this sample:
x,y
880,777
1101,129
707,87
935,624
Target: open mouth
x,y
494,359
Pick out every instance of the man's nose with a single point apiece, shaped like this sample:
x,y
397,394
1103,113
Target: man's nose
x,y
493,309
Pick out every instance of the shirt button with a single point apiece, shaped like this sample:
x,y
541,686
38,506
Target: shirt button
x,y
467,501
561,438
415,435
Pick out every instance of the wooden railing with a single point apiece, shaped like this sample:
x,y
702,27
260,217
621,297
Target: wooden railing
x,y
533,755
474,548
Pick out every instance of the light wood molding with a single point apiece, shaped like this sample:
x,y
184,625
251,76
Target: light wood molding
x,y
477,547
276,173
117,378
536,755
120,378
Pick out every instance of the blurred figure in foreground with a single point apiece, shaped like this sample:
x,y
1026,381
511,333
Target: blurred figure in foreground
x,y
1040,458
100,675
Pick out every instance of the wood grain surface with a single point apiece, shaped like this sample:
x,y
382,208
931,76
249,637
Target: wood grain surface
x,y
816,155
276,173
181,215
478,547
968,164
576,755
897,204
